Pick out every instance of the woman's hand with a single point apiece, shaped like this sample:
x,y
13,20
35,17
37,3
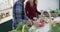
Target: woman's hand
x,y
35,23
35,18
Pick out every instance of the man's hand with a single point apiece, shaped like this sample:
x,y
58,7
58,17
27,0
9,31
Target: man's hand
x,y
29,22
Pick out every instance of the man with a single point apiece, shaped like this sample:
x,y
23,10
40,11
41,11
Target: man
x,y
18,13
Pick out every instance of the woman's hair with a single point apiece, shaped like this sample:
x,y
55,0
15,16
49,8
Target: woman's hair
x,y
34,1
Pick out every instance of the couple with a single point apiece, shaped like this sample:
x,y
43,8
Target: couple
x,y
21,14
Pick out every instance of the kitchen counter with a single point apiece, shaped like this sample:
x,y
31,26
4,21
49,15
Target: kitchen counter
x,y
46,28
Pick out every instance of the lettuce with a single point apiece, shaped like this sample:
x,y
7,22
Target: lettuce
x,y
19,28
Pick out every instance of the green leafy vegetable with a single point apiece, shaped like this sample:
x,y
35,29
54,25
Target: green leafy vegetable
x,y
55,29
19,28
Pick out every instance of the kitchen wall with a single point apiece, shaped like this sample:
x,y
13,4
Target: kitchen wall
x,y
48,4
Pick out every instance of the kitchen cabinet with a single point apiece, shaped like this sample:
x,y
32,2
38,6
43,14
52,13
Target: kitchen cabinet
x,y
5,10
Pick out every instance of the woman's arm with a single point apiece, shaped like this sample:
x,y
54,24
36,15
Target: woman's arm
x,y
37,10
35,4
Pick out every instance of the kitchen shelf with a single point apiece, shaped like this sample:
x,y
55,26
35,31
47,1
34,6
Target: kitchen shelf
x,y
5,19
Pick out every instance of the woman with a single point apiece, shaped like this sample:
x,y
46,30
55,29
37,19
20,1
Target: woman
x,y
31,9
